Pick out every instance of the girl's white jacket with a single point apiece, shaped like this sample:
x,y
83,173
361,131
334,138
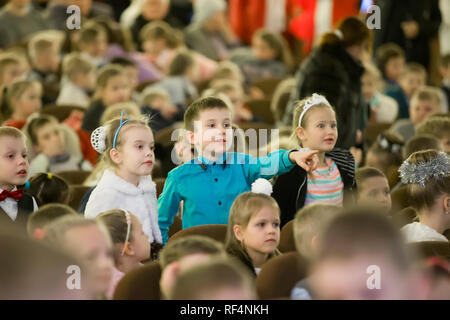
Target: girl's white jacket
x,y
112,192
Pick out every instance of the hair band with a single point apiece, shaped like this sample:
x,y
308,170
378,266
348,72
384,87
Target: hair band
x,y
128,219
120,126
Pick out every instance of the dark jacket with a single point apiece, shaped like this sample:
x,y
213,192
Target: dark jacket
x,y
290,188
25,207
425,12
332,72
92,116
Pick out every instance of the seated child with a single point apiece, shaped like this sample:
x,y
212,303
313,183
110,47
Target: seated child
x,y
372,189
183,253
162,113
112,87
235,92
43,50
383,109
79,81
49,188
362,256
15,205
44,216
131,245
88,241
23,98
127,149
10,70
208,124
93,44
391,61
269,57
47,139
226,70
253,232
438,128
412,77
427,174
218,279
445,86
315,127
385,154
180,80
309,224
131,70
160,42
424,102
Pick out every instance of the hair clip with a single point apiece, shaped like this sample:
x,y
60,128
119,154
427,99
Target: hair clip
x,y
27,185
316,99
49,176
98,139
339,34
128,219
387,145
120,126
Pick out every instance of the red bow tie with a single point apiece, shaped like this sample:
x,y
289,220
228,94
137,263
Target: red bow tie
x,y
16,195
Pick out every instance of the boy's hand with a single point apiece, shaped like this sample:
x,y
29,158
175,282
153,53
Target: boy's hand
x,y
307,160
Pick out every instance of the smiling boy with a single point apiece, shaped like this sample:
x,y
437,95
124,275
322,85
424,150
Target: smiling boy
x,y
209,183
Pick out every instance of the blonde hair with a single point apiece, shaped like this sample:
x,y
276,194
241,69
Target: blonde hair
x,y
310,221
115,110
299,106
227,70
43,41
12,132
14,91
244,207
55,232
162,30
74,63
427,93
150,94
104,75
425,197
7,59
372,71
437,127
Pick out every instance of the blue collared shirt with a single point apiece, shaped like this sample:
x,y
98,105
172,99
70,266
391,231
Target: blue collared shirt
x,y
208,188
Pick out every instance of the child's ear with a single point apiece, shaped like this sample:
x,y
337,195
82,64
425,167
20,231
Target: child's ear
x,y
237,229
447,204
300,133
190,136
115,156
127,248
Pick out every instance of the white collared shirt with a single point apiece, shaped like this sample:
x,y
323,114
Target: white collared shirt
x,y
9,205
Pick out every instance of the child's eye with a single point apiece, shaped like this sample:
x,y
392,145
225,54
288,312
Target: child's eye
x,y
226,125
140,146
333,125
320,126
261,224
152,148
10,156
24,155
211,125
276,224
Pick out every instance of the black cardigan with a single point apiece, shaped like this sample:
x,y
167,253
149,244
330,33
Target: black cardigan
x,y
290,188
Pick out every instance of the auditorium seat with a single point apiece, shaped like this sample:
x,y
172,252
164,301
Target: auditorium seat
x,y
141,283
287,241
429,249
279,275
77,192
74,176
213,231
261,109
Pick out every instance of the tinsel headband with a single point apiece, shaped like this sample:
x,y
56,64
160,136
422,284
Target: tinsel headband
x,y
420,173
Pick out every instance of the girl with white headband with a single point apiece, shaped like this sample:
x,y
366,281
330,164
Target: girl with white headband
x,y
316,129
127,148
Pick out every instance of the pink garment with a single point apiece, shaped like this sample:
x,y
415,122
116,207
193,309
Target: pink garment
x,y
117,275
206,66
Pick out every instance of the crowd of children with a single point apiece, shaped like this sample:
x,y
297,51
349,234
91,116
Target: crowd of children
x,y
108,102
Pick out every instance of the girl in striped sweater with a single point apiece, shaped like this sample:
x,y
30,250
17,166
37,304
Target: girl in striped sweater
x,y
316,128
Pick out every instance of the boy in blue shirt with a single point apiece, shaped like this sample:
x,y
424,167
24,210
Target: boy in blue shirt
x,y
209,183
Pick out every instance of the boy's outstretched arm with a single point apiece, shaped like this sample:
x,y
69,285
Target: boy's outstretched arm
x,y
168,204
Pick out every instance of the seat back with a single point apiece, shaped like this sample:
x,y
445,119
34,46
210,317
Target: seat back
x,y
261,108
77,192
287,241
214,231
74,176
141,283
61,112
279,275
400,198
429,249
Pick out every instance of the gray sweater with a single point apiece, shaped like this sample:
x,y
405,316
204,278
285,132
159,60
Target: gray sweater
x,y
15,28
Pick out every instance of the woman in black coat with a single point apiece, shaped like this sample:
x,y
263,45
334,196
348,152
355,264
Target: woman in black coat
x,y
334,70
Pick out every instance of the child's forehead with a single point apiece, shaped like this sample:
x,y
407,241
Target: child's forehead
x,y
321,112
214,114
137,132
11,142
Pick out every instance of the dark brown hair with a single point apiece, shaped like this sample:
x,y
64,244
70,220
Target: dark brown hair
x,y
354,32
420,142
182,61
362,174
387,52
49,188
37,123
193,111
277,43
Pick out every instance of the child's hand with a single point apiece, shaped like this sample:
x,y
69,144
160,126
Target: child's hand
x,y
307,160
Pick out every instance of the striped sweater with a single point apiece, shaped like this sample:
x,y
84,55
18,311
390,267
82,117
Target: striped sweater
x,y
290,189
